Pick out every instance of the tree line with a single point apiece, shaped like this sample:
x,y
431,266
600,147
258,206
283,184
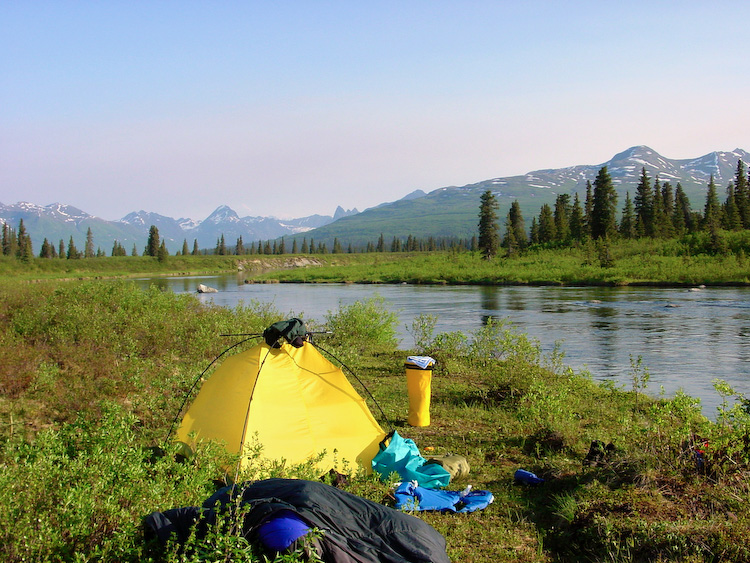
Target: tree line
x,y
18,243
657,210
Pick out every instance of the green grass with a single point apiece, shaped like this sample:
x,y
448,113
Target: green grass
x,y
632,262
111,266
93,374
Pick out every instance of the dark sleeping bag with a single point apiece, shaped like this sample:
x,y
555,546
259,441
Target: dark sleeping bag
x,y
355,530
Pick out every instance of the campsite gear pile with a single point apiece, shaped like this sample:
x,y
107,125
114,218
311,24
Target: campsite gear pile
x,y
419,387
354,529
285,396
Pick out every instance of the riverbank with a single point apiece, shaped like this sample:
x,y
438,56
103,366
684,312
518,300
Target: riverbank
x,y
640,263
664,263
93,374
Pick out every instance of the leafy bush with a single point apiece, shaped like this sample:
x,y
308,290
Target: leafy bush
x,y
363,325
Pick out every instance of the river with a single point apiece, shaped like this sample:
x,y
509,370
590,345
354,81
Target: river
x,y
685,337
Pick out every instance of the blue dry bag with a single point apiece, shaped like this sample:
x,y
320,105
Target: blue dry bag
x,y
401,455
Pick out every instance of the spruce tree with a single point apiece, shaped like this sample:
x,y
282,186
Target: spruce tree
x,y
185,249
239,247
304,249
627,221
381,244
196,251
519,227
667,196
534,231
134,251
47,249
657,212
162,253
23,246
295,249
6,239
61,249
683,214
489,230
221,246
712,210
10,241
742,194
72,250
118,249
604,208
88,251
577,227
588,210
152,244
282,246
547,232
643,206
562,217
509,240
730,216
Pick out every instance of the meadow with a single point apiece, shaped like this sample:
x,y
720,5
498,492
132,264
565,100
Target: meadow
x,y
93,374
672,262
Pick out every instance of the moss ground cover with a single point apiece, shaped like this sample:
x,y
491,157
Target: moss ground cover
x,y
93,374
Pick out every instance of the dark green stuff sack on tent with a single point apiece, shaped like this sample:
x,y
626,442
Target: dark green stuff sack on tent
x,y
293,330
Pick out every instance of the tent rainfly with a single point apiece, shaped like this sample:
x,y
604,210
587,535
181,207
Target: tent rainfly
x,y
295,402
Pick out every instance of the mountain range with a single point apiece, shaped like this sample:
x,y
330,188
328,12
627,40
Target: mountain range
x,y
444,212
57,222
453,212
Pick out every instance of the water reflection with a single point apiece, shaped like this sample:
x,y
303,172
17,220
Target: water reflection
x,y
514,299
489,298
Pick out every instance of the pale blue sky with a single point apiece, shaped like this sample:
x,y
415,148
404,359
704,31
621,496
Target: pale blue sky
x,y
290,108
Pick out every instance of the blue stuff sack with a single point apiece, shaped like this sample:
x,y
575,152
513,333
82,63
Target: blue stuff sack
x,y
411,497
401,456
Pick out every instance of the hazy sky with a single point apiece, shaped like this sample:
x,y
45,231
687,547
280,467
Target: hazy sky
x,y
290,108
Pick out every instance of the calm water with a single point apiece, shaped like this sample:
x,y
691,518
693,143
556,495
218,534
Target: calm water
x,y
686,338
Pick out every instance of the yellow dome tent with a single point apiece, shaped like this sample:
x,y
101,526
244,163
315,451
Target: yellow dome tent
x,y
296,402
